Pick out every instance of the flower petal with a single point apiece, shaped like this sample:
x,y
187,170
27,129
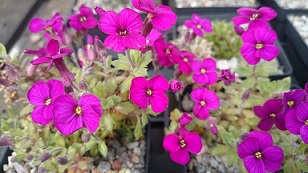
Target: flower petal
x,y
65,51
114,42
164,18
211,100
201,112
197,94
134,41
268,52
38,94
90,23
53,47
197,31
302,112
41,60
248,53
248,147
144,5
89,116
265,139
158,83
189,24
272,158
292,123
239,20
37,24
56,88
280,123
258,24
159,101
254,165
64,109
48,115
274,105
171,143
265,36
304,133
266,124
246,11
267,13
139,97
130,20
93,101
193,142
69,127
109,22
180,157
206,25
261,112
38,117
86,11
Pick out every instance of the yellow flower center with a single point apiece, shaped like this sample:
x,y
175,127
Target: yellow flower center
x,y
123,33
290,103
167,51
203,71
149,92
78,110
272,115
306,122
259,46
48,29
254,16
199,26
258,155
202,103
182,143
185,59
47,102
83,19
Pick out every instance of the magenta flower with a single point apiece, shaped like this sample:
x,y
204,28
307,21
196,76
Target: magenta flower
x,y
99,11
175,86
205,100
259,43
270,113
143,93
53,25
211,124
227,77
259,154
185,61
199,25
123,30
298,124
71,115
238,29
84,20
150,40
292,100
254,18
54,52
180,147
185,119
42,95
39,53
161,17
167,53
204,71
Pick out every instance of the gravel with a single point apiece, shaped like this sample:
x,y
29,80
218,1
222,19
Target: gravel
x,y
215,3
300,23
294,4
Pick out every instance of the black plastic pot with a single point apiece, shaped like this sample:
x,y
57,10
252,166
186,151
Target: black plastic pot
x,y
4,153
279,23
227,16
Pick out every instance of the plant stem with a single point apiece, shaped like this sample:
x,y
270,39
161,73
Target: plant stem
x,y
130,59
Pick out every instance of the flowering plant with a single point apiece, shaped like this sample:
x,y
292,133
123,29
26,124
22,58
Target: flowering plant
x,y
64,118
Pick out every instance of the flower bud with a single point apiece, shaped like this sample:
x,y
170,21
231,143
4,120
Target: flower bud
x,y
62,160
238,29
147,26
214,129
45,156
246,95
99,11
175,86
31,70
5,141
29,157
12,74
67,76
86,137
185,119
4,82
227,77
83,85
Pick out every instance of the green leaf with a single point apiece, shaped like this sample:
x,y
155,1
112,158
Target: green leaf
x,y
26,110
138,129
107,122
244,70
265,69
138,71
125,107
99,90
231,157
227,138
102,147
248,83
220,150
144,119
289,166
122,63
111,101
90,144
301,165
2,49
145,59
110,86
126,84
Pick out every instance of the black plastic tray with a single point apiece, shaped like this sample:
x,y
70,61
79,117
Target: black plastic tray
x,y
282,57
4,153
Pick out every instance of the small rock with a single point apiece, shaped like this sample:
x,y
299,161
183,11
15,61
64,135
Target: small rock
x,y
115,144
135,159
137,151
200,169
199,158
221,169
217,158
137,171
129,164
120,150
124,157
116,165
132,145
142,147
128,171
110,154
103,166
214,163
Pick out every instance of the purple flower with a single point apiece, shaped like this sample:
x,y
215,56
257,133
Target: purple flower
x,y
292,99
179,147
259,43
167,53
39,53
297,121
211,124
84,20
259,154
99,11
204,71
238,29
42,95
185,61
153,36
53,52
270,113
205,101
199,25
71,115
255,18
175,86
227,77
143,93
123,30
161,17
185,119
53,25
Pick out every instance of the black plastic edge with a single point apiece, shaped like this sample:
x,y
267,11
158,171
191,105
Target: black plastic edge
x,y
4,154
